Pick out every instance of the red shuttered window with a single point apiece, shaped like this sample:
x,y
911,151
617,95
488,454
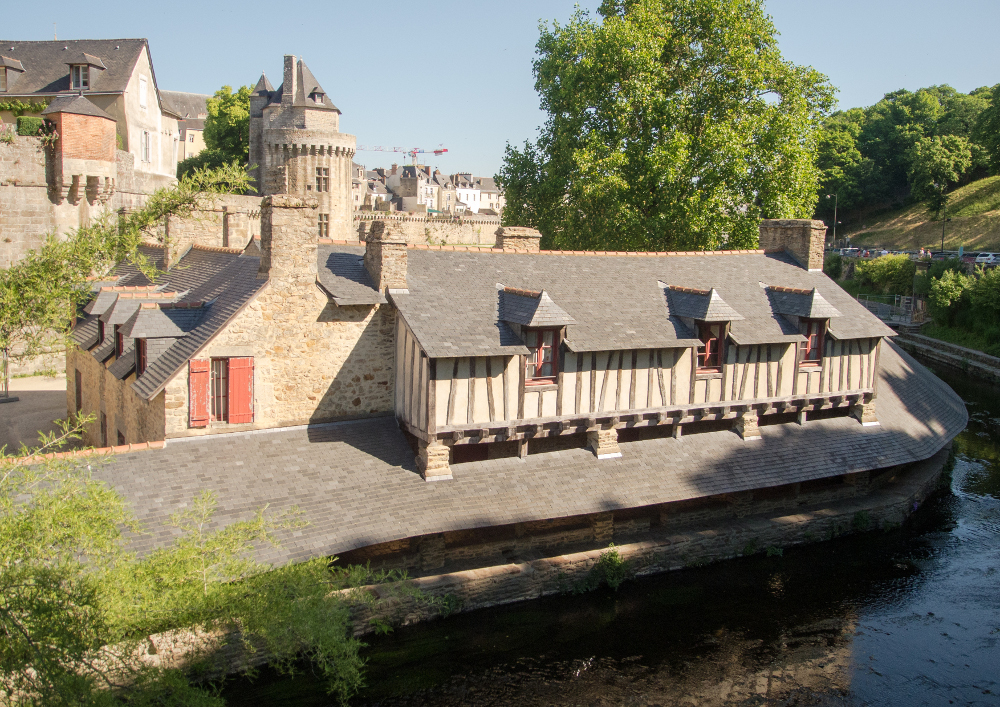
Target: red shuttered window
x,y
710,351
812,348
542,363
220,389
241,389
198,393
140,356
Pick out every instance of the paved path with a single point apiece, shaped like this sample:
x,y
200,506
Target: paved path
x,y
358,485
42,400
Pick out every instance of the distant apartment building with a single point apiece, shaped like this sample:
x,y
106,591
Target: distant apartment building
x,y
192,110
421,188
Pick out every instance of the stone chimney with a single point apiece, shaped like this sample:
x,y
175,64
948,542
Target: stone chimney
x,y
518,238
290,79
288,242
385,258
802,239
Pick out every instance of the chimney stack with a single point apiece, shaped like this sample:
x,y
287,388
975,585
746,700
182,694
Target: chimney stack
x,y
803,239
518,238
290,79
385,258
288,242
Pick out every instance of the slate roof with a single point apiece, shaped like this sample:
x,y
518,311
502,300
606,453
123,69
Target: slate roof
x,y
357,483
46,71
531,309
190,106
155,321
343,276
801,303
124,364
306,84
705,305
615,300
77,105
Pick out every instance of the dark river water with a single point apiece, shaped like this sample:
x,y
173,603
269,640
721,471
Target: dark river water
x,y
905,617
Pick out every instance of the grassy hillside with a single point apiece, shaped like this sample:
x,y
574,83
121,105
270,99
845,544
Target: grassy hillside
x,y
974,210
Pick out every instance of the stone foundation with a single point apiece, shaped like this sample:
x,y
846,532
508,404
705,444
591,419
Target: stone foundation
x,y
865,413
604,442
746,426
531,575
432,460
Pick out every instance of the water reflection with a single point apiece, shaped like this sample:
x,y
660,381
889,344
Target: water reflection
x,y
908,617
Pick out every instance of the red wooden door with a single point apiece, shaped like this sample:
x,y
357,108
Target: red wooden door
x,y
198,393
241,389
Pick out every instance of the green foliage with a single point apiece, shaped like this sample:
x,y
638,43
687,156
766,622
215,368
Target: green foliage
x,y
946,294
987,129
648,147
833,265
40,294
774,551
890,274
75,607
19,107
208,158
861,521
751,547
227,127
7,135
610,570
29,126
937,163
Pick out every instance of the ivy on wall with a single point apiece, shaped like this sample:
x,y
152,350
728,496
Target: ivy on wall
x,y
19,107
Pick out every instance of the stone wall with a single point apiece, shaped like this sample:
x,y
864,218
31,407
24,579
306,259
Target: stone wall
x,y
801,238
313,361
691,542
420,230
226,221
138,420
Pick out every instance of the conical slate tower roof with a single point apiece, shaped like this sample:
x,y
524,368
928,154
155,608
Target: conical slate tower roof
x,y
263,87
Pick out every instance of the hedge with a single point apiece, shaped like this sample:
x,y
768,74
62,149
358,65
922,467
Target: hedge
x,y
26,125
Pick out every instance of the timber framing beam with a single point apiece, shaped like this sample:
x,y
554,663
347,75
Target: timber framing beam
x,y
534,428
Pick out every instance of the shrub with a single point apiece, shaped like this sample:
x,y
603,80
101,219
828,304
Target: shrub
x,y
833,265
890,274
946,295
611,569
29,126
984,293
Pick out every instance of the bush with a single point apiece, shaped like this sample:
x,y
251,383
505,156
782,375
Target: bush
x,y
890,274
833,265
946,295
213,159
984,294
29,126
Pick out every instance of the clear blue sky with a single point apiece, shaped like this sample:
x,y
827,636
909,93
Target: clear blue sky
x,y
459,73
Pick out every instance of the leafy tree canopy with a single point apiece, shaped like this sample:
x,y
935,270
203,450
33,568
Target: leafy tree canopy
x,y
227,132
672,124
935,163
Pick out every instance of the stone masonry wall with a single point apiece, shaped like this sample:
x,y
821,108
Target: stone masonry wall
x,y
227,221
313,361
420,230
139,420
801,238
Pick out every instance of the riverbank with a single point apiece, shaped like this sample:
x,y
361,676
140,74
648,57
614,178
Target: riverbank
x,y
972,362
894,495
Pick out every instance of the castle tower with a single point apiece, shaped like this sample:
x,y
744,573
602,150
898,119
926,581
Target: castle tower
x,y
296,143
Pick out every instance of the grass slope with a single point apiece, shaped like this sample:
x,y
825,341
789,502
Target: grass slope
x,y
974,210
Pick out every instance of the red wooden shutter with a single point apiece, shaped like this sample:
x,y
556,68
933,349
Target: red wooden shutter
x,y
198,393
241,389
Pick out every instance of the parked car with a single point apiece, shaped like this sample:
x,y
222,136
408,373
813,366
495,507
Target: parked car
x,y
849,252
987,259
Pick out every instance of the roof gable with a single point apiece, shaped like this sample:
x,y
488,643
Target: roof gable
x,y
703,305
809,304
530,308
46,64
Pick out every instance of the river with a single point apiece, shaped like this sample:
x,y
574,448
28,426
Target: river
x,y
909,616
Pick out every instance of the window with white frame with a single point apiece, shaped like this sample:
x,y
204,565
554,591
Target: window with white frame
x,y
142,92
79,77
145,154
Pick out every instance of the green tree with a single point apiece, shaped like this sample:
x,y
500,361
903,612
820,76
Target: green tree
x,y
672,124
987,129
890,274
40,294
946,296
936,164
227,132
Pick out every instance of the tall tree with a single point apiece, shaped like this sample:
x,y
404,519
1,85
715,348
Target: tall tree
x,y
227,132
987,130
936,163
672,124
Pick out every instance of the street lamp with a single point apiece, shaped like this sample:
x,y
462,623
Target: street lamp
x,y
835,200
942,234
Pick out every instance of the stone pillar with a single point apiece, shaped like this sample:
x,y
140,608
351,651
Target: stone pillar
x,y
288,243
865,413
433,461
604,442
746,426
385,258
518,238
363,231
604,527
432,551
803,239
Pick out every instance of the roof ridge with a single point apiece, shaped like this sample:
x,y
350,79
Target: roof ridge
x,y
131,447
689,290
128,288
146,295
216,249
491,249
522,292
173,305
792,290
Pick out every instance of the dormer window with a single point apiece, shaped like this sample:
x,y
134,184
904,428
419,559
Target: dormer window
x,y
79,77
317,97
543,358
710,352
100,331
811,350
140,356
119,341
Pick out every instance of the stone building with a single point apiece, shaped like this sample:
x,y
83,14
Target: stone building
x,y
191,110
514,349
296,143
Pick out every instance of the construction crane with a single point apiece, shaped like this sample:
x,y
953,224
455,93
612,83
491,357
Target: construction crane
x,y
413,152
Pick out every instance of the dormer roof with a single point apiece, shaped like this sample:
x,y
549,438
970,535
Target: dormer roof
x,y
77,105
704,305
307,86
84,58
801,302
8,63
531,308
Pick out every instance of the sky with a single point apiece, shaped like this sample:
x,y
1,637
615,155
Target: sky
x,y
458,74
